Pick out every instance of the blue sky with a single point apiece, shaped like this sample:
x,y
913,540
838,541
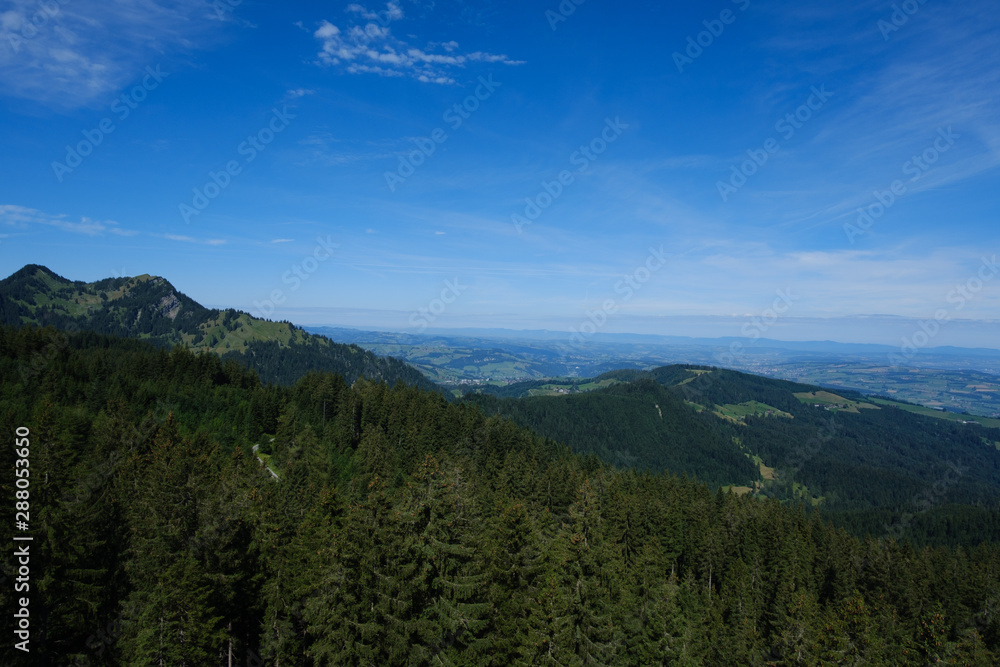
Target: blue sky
x,y
308,161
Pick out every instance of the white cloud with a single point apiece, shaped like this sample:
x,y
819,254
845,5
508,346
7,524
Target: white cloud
x,y
282,240
392,12
22,217
189,239
75,54
896,281
327,30
372,49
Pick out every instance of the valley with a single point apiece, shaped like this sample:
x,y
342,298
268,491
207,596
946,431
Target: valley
x,y
943,379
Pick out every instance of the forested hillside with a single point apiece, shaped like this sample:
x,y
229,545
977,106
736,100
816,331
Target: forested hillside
x,y
849,457
641,425
150,308
408,530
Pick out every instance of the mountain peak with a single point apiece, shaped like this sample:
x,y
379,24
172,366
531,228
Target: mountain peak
x,y
36,271
151,308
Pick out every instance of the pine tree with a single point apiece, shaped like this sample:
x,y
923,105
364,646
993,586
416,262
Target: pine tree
x,y
584,627
169,615
363,602
443,524
514,561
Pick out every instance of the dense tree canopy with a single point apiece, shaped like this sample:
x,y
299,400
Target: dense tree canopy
x,y
409,530
867,468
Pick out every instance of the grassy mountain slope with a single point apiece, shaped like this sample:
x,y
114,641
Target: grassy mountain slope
x,y
150,308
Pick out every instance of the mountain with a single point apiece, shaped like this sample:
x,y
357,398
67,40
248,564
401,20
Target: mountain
x,y
638,424
841,452
829,347
150,308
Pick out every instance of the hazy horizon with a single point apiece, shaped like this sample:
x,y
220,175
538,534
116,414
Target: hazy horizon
x,y
872,330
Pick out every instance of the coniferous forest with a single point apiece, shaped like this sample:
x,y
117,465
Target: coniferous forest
x,y
407,530
482,333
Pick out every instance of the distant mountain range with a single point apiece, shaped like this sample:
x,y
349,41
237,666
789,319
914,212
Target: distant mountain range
x,y
956,379
822,346
150,308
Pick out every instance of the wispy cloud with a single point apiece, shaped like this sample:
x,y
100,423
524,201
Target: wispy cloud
x,y
76,54
393,12
297,93
939,71
829,283
22,217
372,49
190,239
326,150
